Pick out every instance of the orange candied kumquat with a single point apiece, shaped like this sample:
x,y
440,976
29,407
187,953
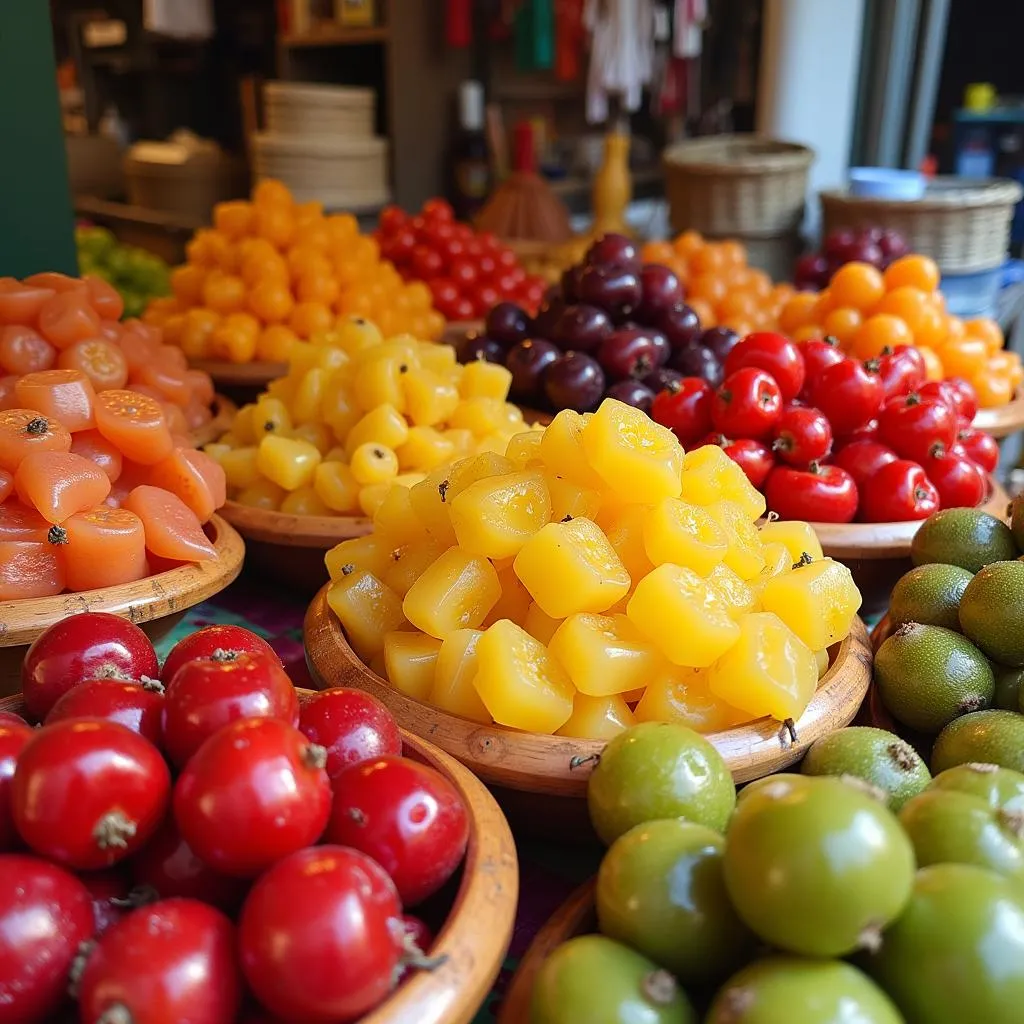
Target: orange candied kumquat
x,y
135,424
29,569
24,431
68,317
915,271
878,333
20,303
101,361
24,350
103,547
988,330
59,484
64,395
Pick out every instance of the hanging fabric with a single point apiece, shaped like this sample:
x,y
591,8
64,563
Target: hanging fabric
x,y
569,37
621,53
459,23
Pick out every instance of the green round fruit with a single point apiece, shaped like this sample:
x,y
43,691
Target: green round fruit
x,y
985,737
928,675
660,891
929,594
956,954
789,989
594,979
1000,788
779,780
992,612
1008,694
659,770
817,868
947,827
874,755
966,537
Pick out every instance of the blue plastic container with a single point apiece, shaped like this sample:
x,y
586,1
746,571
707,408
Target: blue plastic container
x,y
886,183
971,295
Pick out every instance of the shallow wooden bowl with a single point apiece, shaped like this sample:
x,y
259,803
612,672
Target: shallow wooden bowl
x,y
878,554
290,549
526,766
456,331
478,929
156,603
242,382
1004,420
223,415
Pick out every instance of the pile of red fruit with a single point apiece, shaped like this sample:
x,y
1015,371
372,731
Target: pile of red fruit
x,y
192,845
877,246
829,438
467,272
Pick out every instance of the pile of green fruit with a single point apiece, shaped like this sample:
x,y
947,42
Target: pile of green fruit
x,y
861,891
137,274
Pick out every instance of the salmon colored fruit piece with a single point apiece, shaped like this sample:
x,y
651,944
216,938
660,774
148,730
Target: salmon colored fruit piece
x,y
177,422
169,382
19,522
172,529
173,358
23,350
100,360
6,485
195,478
65,395
8,397
103,547
92,445
59,484
29,569
54,281
105,298
20,302
135,424
23,431
138,349
67,318
201,385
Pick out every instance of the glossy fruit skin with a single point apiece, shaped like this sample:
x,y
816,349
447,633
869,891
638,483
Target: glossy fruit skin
x,y
10,718
812,865
720,340
911,426
593,978
611,248
664,377
204,643
989,736
479,346
1000,788
79,776
981,448
139,706
958,915
527,362
579,328
819,354
902,371
507,324
753,457
957,393
614,287
351,725
959,481
13,739
862,459
773,353
104,887
83,646
206,694
681,326
772,990
848,394
899,491
319,936
660,891
748,404
802,435
698,361
171,961
821,494
661,290
685,409
632,392
45,915
254,792
574,381
683,776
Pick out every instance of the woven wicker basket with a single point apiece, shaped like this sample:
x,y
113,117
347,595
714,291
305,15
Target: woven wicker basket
x,y
963,224
736,185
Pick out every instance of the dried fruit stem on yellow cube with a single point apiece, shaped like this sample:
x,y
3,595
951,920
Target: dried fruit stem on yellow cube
x,y
456,591
798,537
409,660
456,666
366,608
494,517
604,654
598,718
682,695
372,553
408,562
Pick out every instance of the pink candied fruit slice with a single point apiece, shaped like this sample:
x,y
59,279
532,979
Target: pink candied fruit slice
x,y
20,522
65,395
59,484
172,529
195,478
92,445
135,424
23,431
103,547
30,568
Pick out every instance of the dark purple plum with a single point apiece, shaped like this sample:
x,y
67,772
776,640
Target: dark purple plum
x,y
571,282
507,324
661,291
479,346
545,323
613,287
681,326
698,361
632,392
720,340
574,381
861,249
810,272
661,378
662,349
628,352
527,362
612,248
837,242
581,329
892,245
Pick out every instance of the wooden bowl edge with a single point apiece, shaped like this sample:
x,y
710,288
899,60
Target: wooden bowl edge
x,y
224,413
286,530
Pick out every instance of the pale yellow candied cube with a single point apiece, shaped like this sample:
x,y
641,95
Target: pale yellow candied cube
x,y
396,520
481,379
683,615
745,552
319,435
561,449
676,531
597,718
304,502
402,346
520,683
441,359
408,562
374,464
309,394
287,463
482,416
429,500
371,497
430,399
740,597
539,624
514,602
476,467
243,425
571,567
425,448
356,333
371,552
270,416
409,661
682,695
456,591
638,459
382,425
798,537
367,609
710,476
571,499
452,689
497,515
338,407
623,525
777,559
604,654
262,494
463,441
523,449
240,466
769,670
378,381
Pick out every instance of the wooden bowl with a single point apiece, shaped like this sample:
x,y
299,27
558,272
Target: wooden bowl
x,y
242,382
878,554
290,549
223,415
525,766
156,603
456,331
477,932
1003,420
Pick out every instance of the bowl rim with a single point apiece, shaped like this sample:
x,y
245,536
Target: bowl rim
x,y
270,526
223,413
1002,420
239,375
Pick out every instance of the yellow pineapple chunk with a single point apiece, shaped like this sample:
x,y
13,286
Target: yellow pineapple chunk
x,y
524,449
739,596
798,537
482,416
624,527
366,608
372,496
425,448
287,463
452,689
514,602
682,695
818,601
777,559
429,500
396,520
709,476
408,562
571,499
473,468
372,553
684,534
409,659
745,552
604,654
539,624
495,517
456,591
338,407
598,718
382,425
306,402
561,449
429,398
822,658
481,379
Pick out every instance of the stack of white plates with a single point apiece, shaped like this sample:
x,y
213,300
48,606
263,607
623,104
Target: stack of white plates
x,y
317,110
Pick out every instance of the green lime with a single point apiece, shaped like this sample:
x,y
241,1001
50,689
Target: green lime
x,y
1008,680
992,612
1000,788
929,594
986,737
966,537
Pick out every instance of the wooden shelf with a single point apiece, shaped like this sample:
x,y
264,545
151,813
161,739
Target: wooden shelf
x,y
338,35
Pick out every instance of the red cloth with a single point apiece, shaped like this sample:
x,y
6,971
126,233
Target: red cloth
x,y
569,36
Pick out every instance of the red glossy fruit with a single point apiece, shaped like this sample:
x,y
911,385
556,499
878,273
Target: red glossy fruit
x,y
748,404
803,435
351,725
206,694
960,482
773,353
902,370
819,494
912,426
166,963
320,937
964,397
254,792
110,892
980,447
753,457
87,792
898,492
13,739
819,354
10,718
45,915
408,817
848,393
685,408
862,459
139,706
213,641
89,645
865,432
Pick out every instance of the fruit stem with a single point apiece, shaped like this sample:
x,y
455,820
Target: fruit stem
x,y
139,896
151,685
580,762
787,732
37,426
81,958
913,399
57,535
115,1013
314,756
804,559
348,569
442,489
870,938
114,830
222,654
659,987
831,339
